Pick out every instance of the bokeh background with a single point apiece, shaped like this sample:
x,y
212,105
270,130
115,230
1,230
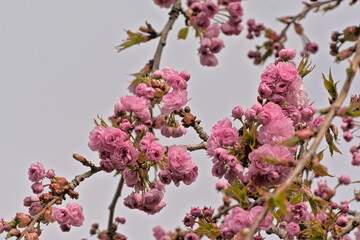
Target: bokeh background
x,y
59,69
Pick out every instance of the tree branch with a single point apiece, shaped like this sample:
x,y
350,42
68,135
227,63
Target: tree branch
x,y
302,163
73,184
174,14
200,131
195,147
111,227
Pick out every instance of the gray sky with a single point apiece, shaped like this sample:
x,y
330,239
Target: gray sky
x,y
60,69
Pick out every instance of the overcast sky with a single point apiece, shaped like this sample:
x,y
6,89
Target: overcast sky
x,y
60,69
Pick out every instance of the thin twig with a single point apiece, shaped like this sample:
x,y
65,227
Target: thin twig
x,y
302,14
302,163
174,14
111,228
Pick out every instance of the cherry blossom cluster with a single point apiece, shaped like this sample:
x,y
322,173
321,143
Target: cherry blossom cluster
x,y
103,234
238,219
129,146
58,186
275,41
349,34
286,106
202,13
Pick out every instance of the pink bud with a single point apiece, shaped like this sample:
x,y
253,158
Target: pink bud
x,y
348,136
37,188
237,112
344,179
50,173
342,221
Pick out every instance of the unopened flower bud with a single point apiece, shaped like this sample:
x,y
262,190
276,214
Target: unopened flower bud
x,y
14,232
196,212
32,236
50,173
120,220
344,179
342,221
348,136
23,219
37,188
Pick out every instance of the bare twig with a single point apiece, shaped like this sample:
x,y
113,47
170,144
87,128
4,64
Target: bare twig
x,y
174,14
111,227
302,163
302,14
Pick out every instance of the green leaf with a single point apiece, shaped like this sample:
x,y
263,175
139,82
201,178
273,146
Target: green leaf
x,y
305,67
182,34
321,170
296,199
330,86
236,190
313,206
320,155
332,148
291,142
133,38
279,201
207,229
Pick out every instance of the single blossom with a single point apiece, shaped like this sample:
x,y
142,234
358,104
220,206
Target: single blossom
x,y
36,172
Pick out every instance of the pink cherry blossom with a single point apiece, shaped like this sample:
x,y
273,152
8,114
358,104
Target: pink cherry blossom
x,y
36,172
173,101
76,217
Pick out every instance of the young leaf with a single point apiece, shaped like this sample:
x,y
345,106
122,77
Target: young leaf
x,y
305,67
133,38
321,170
330,86
182,34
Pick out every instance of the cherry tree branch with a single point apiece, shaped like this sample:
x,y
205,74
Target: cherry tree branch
x,y
174,14
72,185
352,224
111,227
195,147
302,163
200,131
302,14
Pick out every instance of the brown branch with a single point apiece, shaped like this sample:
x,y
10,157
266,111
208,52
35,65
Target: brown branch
x,y
37,217
278,231
352,224
111,227
195,147
84,161
174,14
73,184
302,163
302,14
200,131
